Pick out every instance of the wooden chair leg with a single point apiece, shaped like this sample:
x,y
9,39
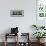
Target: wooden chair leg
x,y
17,39
5,39
5,43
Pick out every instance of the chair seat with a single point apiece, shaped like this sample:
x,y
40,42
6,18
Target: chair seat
x,y
9,34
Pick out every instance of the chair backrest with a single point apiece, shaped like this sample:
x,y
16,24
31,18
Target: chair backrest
x,y
14,30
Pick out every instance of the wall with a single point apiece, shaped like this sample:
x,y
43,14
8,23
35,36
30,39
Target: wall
x,y
24,23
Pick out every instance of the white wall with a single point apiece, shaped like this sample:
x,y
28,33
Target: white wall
x,y
24,23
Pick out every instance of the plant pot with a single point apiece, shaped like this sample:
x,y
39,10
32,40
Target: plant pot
x,y
40,41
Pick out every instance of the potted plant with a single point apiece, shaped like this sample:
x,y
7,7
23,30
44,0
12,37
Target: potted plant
x,y
38,27
42,27
35,26
39,35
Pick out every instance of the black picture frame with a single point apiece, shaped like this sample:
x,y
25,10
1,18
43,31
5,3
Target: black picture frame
x,y
17,13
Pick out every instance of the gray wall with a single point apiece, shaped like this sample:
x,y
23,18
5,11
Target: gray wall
x,y
24,23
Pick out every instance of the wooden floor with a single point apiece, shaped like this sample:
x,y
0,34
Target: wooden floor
x,y
13,44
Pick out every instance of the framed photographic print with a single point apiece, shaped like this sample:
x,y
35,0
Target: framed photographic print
x,y
16,13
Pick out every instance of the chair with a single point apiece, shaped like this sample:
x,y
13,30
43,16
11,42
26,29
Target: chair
x,y
7,34
14,32
25,36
